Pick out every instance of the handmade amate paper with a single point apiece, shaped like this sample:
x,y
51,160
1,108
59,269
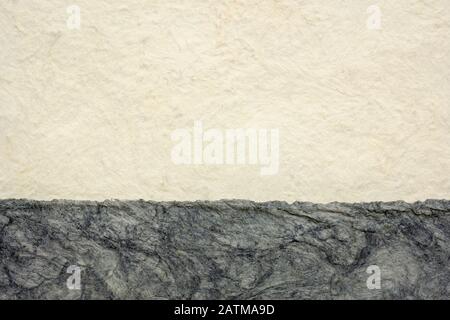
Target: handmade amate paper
x,y
362,113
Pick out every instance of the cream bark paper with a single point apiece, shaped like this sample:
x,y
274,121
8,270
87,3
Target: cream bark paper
x,y
92,91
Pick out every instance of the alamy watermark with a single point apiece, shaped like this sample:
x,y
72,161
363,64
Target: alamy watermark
x,y
374,20
374,281
74,19
249,146
74,281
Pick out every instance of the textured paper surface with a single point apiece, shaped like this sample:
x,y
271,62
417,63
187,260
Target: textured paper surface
x,y
229,249
87,114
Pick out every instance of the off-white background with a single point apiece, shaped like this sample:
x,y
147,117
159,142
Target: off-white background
x,y
87,114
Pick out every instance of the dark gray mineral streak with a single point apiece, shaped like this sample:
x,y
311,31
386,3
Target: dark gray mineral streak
x,y
224,250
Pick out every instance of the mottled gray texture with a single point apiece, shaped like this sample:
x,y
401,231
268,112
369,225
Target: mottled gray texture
x,y
224,249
